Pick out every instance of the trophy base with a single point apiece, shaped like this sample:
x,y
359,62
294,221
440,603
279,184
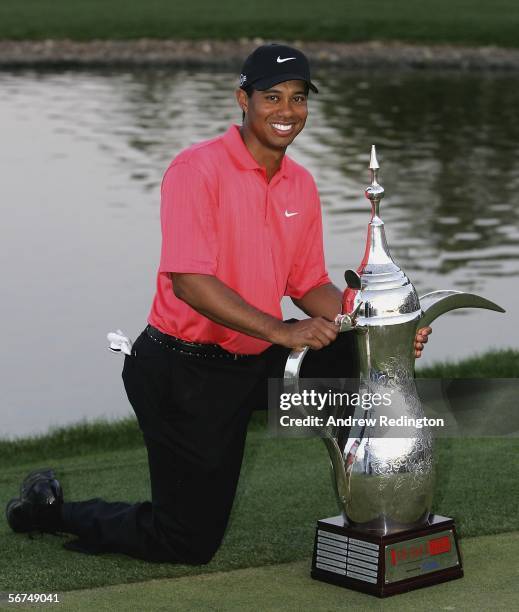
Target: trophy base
x,y
385,565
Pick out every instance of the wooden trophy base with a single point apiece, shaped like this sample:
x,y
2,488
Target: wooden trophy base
x,y
389,564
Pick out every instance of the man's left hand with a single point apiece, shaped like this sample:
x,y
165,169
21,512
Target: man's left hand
x,y
421,338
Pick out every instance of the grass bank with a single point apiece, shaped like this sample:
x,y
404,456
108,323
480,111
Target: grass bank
x,y
99,436
492,364
466,22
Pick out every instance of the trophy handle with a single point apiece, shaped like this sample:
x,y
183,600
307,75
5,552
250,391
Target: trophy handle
x,y
436,303
346,322
291,378
293,364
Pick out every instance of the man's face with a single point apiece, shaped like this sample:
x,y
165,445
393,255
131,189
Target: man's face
x,y
277,115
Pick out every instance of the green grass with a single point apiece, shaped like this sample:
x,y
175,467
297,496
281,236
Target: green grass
x,y
473,22
490,583
80,439
284,488
493,364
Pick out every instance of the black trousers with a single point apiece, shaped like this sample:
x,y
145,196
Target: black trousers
x,y
193,413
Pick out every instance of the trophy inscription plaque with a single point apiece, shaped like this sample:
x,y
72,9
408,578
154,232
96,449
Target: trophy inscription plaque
x,y
385,540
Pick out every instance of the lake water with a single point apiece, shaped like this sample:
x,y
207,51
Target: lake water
x,y
81,160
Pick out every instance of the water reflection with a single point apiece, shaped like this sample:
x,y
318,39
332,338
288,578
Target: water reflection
x,y
447,145
448,148
82,156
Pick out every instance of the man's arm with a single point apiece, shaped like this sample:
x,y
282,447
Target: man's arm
x,y
324,301
218,302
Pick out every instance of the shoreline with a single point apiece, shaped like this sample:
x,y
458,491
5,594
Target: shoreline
x,y
102,434
230,54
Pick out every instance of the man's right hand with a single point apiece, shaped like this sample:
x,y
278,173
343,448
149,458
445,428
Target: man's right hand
x,y
315,333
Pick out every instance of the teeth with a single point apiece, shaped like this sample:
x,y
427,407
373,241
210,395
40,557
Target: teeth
x,y
283,128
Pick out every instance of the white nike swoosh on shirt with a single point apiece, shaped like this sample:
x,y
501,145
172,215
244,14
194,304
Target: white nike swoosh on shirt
x,y
290,214
285,59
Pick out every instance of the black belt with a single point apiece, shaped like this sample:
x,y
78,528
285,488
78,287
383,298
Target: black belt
x,y
191,348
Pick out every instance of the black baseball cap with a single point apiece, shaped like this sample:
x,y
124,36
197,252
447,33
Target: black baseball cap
x,y
271,64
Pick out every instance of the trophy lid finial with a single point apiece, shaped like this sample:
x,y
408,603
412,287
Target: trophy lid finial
x,y
373,162
374,192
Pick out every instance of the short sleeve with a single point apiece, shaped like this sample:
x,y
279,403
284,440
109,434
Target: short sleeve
x,y
308,270
188,222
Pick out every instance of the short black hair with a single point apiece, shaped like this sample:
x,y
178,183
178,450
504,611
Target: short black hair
x,y
249,90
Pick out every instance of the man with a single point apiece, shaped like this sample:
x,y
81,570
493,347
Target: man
x,y
241,227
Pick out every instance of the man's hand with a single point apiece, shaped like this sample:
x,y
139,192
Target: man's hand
x,y
421,338
315,333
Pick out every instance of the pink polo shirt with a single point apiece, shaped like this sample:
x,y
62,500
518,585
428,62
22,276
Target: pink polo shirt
x,y
220,216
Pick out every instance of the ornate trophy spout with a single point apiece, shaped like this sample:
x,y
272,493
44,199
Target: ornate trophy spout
x,y
384,485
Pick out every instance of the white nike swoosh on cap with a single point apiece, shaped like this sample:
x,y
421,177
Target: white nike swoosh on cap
x,y
290,214
285,59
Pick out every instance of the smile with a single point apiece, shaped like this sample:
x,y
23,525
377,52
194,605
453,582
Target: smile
x,y
283,127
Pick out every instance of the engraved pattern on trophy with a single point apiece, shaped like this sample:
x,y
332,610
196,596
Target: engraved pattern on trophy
x,y
384,485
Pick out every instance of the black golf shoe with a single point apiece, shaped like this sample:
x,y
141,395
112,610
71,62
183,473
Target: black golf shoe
x,y
39,506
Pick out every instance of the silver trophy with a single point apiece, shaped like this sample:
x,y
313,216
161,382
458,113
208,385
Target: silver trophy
x,y
384,485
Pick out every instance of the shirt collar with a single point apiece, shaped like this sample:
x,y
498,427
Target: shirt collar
x,y
242,156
